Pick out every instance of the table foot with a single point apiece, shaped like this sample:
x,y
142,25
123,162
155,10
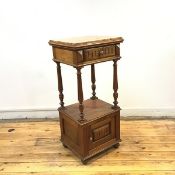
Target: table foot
x,y
64,145
116,145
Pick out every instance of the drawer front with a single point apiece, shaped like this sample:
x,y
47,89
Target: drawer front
x,y
99,52
102,132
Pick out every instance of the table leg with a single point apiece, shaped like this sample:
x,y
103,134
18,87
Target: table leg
x,y
115,86
80,93
60,85
93,86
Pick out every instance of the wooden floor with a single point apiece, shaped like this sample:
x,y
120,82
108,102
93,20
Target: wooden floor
x,y
33,147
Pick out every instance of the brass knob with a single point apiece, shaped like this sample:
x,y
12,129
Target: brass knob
x,y
91,139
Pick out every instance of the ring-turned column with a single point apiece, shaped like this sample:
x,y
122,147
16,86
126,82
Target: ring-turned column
x,y
80,94
60,85
115,85
93,86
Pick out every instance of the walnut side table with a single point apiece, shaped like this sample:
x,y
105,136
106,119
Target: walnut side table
x,y
90,126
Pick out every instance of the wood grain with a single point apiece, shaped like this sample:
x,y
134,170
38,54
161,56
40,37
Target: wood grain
x,y
34,148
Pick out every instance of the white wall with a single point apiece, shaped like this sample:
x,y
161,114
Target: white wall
x,y
146,70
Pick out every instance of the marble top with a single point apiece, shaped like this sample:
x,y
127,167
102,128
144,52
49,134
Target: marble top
x,y
85,41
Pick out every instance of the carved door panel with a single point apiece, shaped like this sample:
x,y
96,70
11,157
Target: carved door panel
x,y
102,132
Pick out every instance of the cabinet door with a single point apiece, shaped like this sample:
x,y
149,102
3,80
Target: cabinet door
x,y
102,131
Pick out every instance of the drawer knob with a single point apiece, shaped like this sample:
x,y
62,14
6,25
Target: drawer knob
x,y
91,139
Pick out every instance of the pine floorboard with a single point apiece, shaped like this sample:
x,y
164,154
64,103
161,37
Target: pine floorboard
x,y
33,148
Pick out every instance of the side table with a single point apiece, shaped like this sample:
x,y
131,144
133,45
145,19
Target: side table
x,y
90,126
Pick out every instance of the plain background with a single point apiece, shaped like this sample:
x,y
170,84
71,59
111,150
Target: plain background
x,y
146,70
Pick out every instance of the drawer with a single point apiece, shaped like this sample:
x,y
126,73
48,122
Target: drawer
x,y
100,52
102,132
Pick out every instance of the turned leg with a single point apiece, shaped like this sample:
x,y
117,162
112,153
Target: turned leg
x,y
93,82
115,86
80,94
60,85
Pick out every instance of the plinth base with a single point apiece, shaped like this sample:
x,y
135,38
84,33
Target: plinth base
x,y
100,130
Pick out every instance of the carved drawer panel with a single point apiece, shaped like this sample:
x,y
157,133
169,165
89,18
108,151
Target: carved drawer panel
x,y
99,52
